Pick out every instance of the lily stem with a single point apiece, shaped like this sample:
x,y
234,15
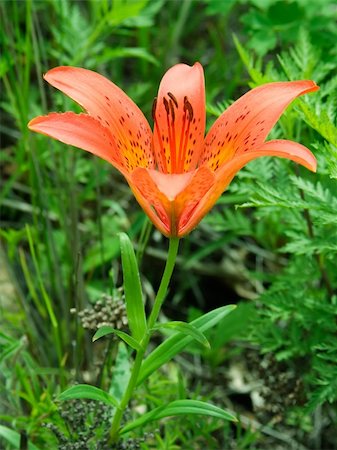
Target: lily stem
x,y
161,294
160,297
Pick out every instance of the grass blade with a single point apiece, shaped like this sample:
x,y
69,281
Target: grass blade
x,y
13,438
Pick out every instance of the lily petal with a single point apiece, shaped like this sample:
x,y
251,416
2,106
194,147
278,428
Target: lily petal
x,y
171,184
179,115
172,196
184,192
108,104
151,199
282,148
188,200
79,130
244,126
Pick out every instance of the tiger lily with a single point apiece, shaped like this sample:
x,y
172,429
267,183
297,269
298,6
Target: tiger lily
x,y
176,173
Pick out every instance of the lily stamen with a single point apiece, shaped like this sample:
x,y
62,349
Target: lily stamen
x,y
185,133
189,108
172,97
171,135
161,163
182,149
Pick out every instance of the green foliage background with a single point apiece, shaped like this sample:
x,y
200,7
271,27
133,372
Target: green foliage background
x,y
269,245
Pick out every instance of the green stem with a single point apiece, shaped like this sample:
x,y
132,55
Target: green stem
x,y
160,297
170,262
114,431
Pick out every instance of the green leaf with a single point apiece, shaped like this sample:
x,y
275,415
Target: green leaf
x,y
135,52
90,392
121,373
98,256
132,289
178,408
13,438
187,329
105,330
10,350
262,41
175,344
124,9
283,13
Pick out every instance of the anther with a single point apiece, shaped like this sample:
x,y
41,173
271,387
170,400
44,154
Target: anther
x,y
172,97
188,107
154,107
166,104
172,110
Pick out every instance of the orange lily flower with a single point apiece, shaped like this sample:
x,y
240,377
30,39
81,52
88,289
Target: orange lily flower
x,y
175,173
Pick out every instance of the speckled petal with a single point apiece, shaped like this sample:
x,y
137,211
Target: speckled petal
x,y
173,197
108,104
282,148
244,126
180,119
155,204
188,200
79,130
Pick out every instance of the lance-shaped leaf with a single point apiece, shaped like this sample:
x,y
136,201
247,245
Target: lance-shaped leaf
x,y
132,289
89,392
175,344
185,328
178,408
106,330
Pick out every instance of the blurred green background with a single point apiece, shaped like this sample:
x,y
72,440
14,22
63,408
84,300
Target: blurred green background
x,y
269,245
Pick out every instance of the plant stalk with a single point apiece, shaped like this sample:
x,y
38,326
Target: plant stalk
x,y
160,297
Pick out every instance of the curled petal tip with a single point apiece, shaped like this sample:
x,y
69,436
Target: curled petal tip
x,y
48,73
313,167
317,88
312,86
52,71
310,165
31,124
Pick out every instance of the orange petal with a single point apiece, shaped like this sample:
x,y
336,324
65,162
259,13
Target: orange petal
x,y
107,103
173,197
155,204
285,149
188,200
171,184
183,192
180,118
79,130
282,148
244,126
